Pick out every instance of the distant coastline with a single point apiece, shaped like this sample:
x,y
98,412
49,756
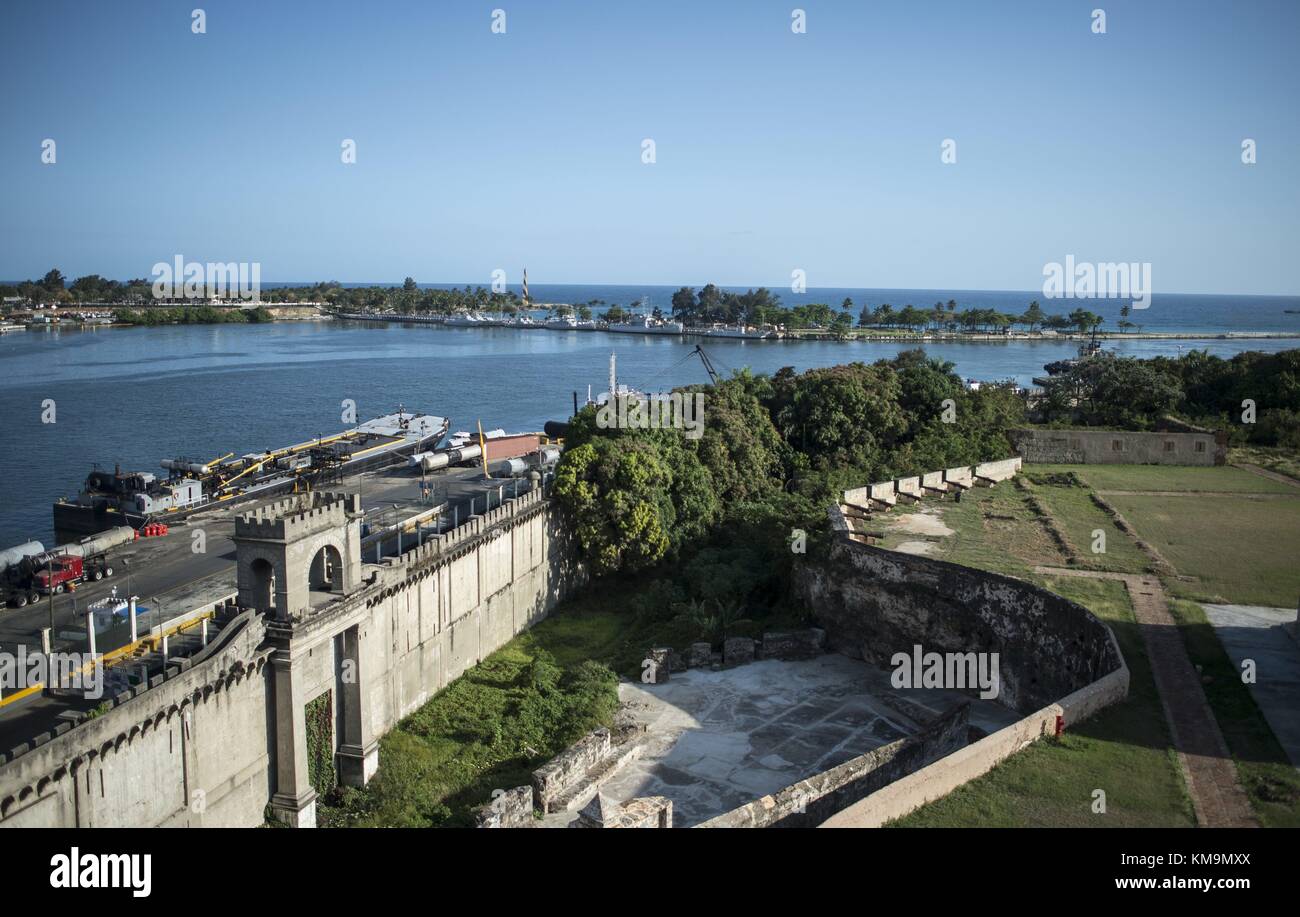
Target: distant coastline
x,y
864,335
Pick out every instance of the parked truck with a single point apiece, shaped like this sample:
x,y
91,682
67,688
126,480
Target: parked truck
x,y
24,581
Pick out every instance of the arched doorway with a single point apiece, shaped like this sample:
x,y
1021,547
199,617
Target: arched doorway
x,y
263,584
326,573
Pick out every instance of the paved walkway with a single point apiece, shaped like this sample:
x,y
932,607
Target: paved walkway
x,y
718,740
1259,634
1207,766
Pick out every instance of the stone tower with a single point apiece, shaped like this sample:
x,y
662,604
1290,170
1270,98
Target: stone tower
x,y
298,552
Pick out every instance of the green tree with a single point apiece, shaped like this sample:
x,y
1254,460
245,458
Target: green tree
x,y
1032,316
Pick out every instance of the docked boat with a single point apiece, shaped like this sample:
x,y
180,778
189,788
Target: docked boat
x,y
116,498
562,323
471,320
743,332
645,324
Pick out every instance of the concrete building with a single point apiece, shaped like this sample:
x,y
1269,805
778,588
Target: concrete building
x,y
1118,447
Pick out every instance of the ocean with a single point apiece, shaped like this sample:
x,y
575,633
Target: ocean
x,y
1170,312
134,396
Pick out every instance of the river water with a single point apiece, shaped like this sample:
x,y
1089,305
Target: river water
x,y
135,396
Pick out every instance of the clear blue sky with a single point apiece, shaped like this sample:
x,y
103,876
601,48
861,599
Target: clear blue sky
x,y
775,150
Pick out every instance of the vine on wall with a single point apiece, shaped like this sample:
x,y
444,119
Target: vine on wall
x,y
320,743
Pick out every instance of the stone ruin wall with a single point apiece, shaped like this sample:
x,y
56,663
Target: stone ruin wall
x,y
1118,447
874,603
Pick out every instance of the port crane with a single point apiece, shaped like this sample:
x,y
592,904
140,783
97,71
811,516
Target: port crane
x,y
708,364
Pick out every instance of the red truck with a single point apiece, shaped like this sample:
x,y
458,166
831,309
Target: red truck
x,y
62,571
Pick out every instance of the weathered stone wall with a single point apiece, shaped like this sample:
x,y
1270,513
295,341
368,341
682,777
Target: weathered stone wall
x,y
642,812
227,726
810,802
944,775
1106,447
508,809
875,603
554,778
189,751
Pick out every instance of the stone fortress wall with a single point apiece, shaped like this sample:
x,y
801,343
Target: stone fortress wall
x,y
219,736
1058,663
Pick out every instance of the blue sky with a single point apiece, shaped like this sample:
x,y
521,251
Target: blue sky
x,y
775,151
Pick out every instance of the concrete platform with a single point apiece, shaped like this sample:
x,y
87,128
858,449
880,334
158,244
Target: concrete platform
x,y
1256,632
717,740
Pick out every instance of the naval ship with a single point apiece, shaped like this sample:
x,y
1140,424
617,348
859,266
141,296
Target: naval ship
x,y
134,498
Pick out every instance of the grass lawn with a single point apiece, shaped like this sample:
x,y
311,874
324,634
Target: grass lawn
x,y
993,529
1079,517
1239,550
1269,778
489,729
1124,751
1222,479
1283,461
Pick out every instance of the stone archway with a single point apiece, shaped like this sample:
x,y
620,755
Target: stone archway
x,y
262,585
326,573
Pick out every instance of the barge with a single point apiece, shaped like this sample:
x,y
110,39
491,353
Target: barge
x,y
136,498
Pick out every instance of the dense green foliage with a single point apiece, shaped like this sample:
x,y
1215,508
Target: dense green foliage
x,y
1127,392
203,315
710,304
723,512
761,306
487,730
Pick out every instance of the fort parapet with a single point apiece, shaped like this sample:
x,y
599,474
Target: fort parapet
x,y
322,637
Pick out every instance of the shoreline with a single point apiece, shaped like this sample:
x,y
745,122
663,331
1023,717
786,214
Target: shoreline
x,y
875,337
821,336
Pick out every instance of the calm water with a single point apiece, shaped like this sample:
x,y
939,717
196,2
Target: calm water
x,y
1183,312
139,395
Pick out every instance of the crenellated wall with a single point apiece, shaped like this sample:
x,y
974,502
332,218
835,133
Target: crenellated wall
x,y
217,739
188,751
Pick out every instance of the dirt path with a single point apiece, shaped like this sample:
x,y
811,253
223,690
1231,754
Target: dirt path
x,y
1211,775
1271,475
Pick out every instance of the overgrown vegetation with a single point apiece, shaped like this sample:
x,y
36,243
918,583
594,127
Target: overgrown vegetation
x,y
497,723
319,715
487,730
201,315
1135,394
723,509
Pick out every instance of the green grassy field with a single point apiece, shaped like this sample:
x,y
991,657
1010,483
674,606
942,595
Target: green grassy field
x,y
1081,520
1223,479
1238,550
1123,751
993,529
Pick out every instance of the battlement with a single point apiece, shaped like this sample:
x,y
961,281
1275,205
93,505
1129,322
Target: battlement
x,y
298,516
475,526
